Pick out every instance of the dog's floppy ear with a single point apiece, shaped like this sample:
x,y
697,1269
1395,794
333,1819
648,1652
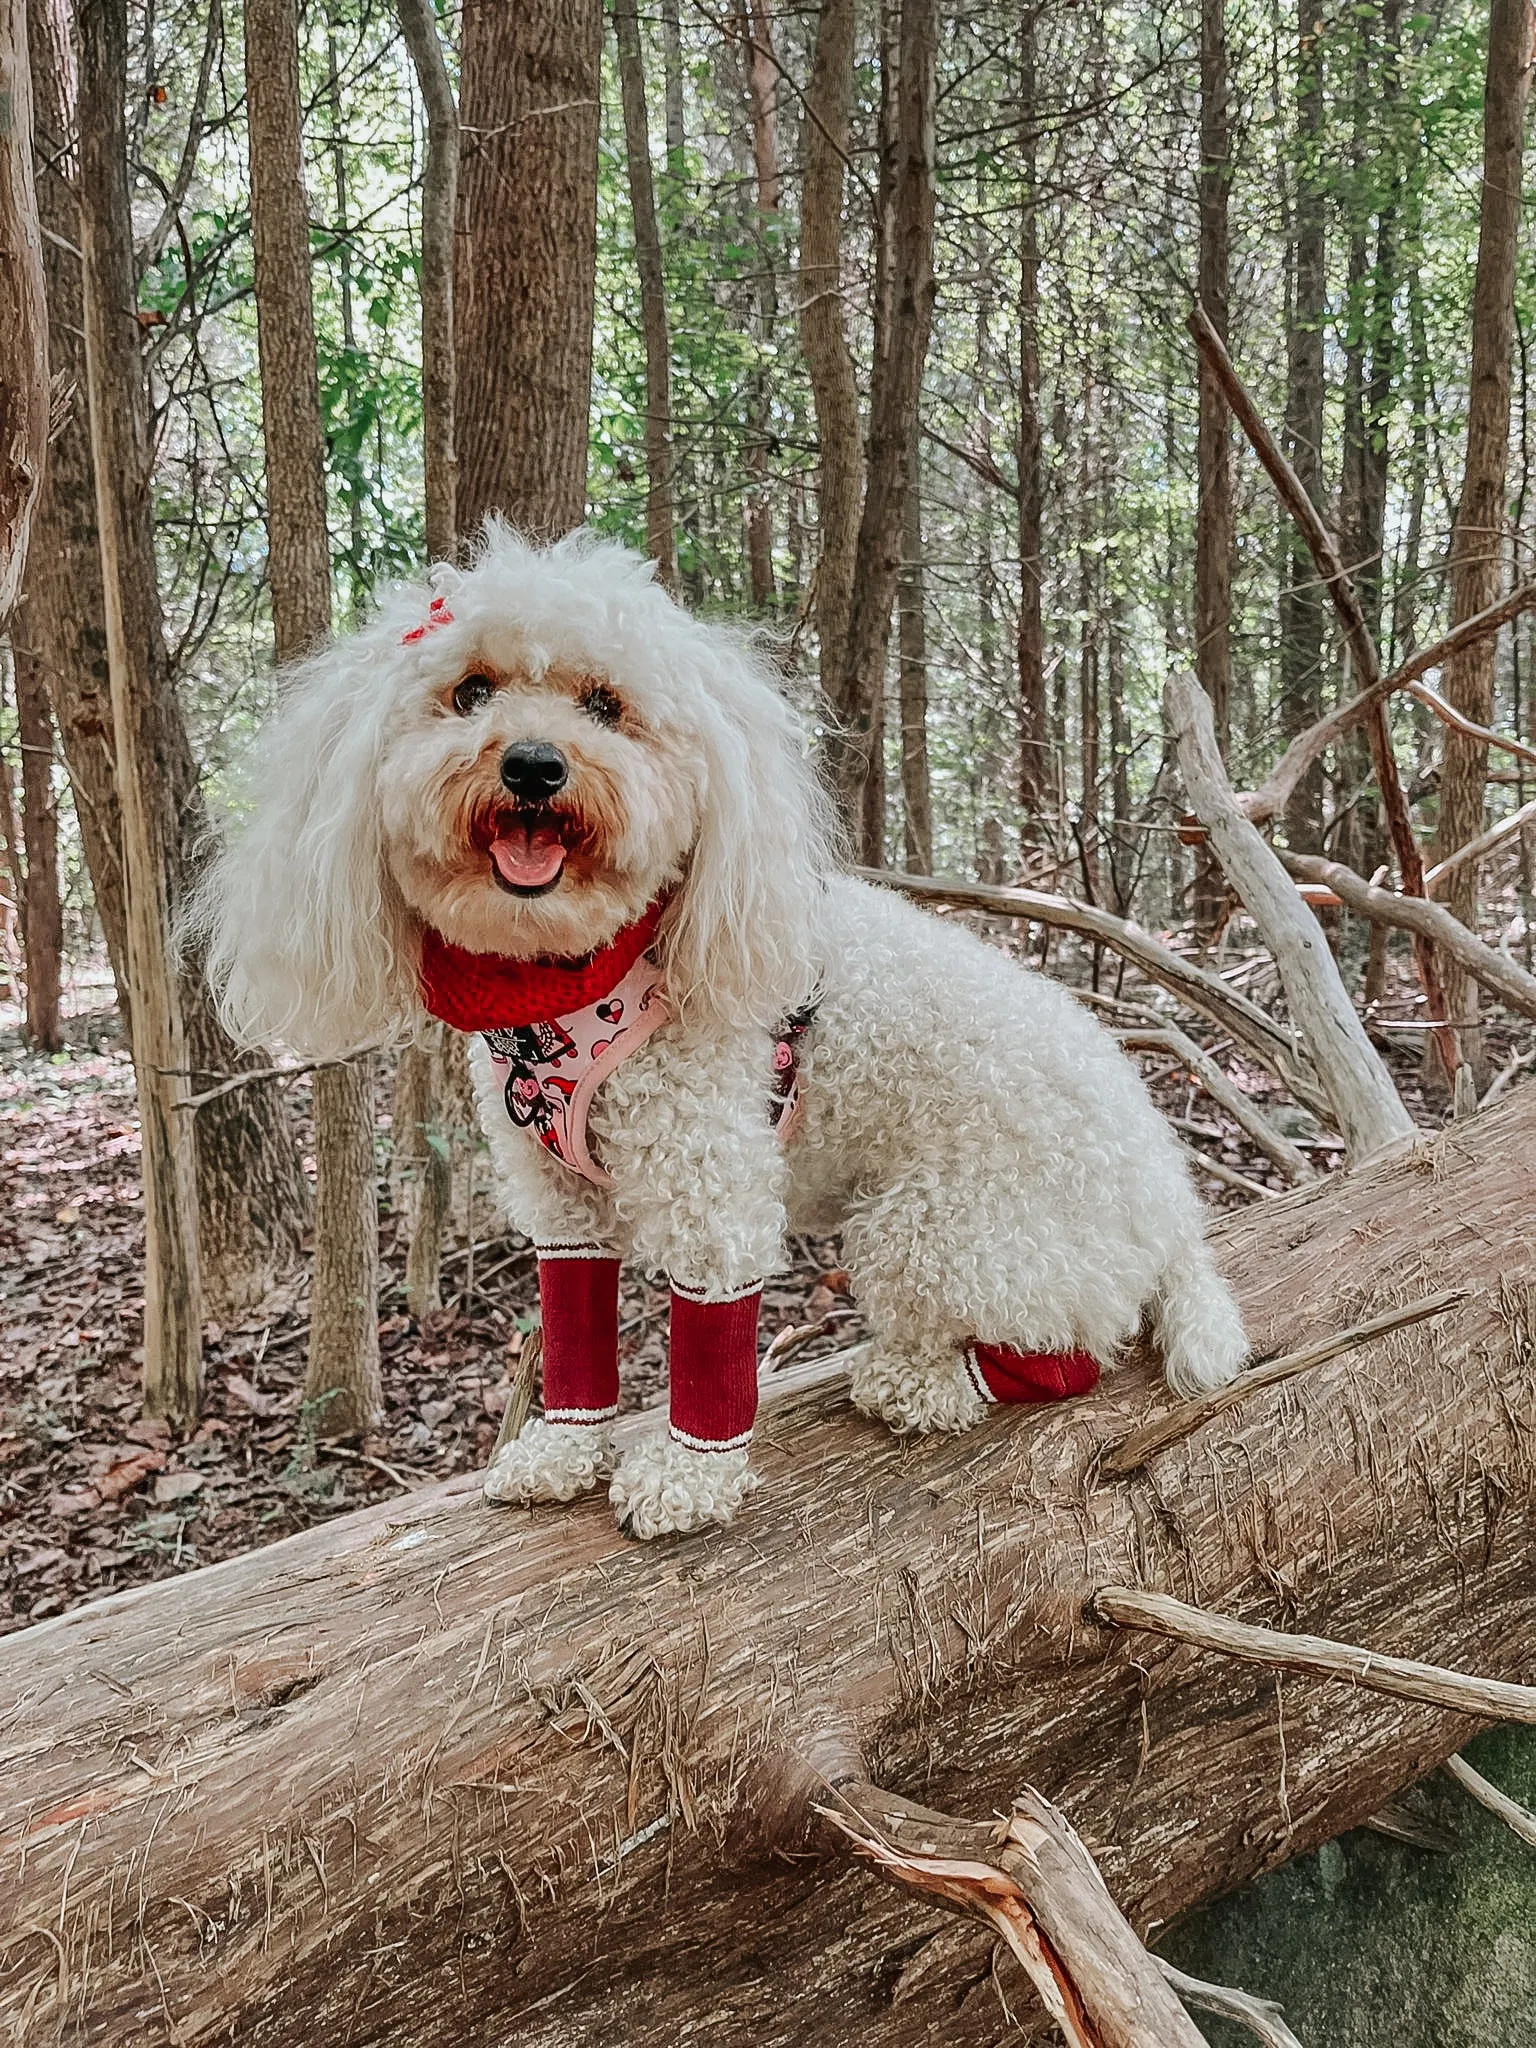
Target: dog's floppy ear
x,y
304,934
742,945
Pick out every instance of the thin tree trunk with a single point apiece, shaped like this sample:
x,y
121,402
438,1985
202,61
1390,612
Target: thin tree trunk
x,y
172,1312
1477,542
342,1375
660,540
42,916
762,92
549,1775
427,1075
672,61
23,311
1303,605
1213,532
904,311
439,199
341,1384
1034,733
526,260
912,640
252,1195
824,333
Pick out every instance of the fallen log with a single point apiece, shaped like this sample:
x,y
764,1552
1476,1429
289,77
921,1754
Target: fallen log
x,y
441,1771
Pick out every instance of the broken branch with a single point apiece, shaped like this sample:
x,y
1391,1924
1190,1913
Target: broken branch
x,y
1486,1699
1132,1452
1364,656
1033,1881
1485,843
1366,1105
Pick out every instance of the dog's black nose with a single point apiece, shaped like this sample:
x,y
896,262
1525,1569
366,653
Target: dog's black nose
x,y
533,770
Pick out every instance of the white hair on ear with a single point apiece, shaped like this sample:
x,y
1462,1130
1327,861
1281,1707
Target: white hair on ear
x,y
305,937
743,943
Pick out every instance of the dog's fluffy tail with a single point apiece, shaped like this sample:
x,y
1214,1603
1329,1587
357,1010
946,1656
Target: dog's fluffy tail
x,y
1198,1325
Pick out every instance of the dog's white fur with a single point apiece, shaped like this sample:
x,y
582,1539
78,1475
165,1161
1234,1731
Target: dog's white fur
x,y
990,1156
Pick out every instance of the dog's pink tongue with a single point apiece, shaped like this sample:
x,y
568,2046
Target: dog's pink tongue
x,y
528,856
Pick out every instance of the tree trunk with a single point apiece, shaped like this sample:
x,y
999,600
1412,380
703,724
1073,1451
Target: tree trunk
x,y
42,917
1303,605
526,256
1213,510
423,1143
824,333
672,64
23,311
1478,539
342,1376
252,1196
439,1770
119,439
62,625
756,31
341,1384
912,641
1034,719
660,540
439,201
904,295
1213,528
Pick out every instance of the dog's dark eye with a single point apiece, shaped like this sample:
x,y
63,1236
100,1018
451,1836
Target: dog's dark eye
x,y
603,704
471,693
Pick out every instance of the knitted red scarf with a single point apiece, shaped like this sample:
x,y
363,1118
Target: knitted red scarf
x,y
488,992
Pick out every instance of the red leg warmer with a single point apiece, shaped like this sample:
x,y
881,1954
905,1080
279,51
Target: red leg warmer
x,y
1002,1375
579,1296
714,1370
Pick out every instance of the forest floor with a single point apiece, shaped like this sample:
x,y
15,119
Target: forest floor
x,y
94,1498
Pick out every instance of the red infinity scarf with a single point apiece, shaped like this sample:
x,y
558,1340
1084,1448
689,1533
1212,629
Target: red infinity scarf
x,y
488,992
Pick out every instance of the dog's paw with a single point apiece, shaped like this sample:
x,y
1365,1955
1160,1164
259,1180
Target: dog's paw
x,y
662,1488
548,1461
916,1399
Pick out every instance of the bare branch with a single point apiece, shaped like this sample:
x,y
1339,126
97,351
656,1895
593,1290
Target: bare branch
x,y
1485,843
1487,1699
1514,1816
1370,1112
1194,985
1260,2016
1277,1149
1132,1452
1511,984
1268,802
1459,722
1364,657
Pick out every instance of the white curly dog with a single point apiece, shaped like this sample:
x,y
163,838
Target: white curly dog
x,y
548,805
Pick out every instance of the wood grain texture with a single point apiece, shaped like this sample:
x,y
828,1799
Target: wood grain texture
x,y
440,1769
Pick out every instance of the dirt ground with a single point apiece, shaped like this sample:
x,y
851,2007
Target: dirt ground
x,y
94,1498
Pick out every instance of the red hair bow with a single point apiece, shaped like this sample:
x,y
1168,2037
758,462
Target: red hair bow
x,y
438,614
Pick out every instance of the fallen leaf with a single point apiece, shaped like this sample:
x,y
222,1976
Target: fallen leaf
x,y
250,1397
74,1500
173,1486
148,1431
127,1470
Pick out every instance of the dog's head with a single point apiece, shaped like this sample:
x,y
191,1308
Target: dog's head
x,y
524,762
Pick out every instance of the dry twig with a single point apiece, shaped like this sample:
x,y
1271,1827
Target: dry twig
x,y
1514,1816
1487,1699
1277,1149
1260,2016
1133,1451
